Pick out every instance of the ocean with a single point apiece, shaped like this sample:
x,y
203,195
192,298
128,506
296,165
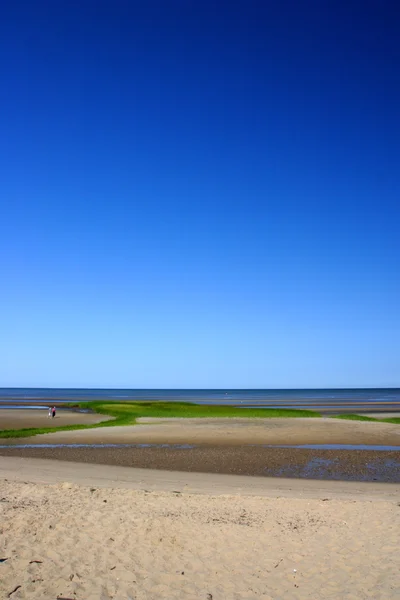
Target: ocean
x,y
376,398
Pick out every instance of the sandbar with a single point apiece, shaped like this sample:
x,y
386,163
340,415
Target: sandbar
x,y
21,418
234,431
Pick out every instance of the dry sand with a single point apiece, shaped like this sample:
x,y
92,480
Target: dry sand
x,y
231,432
24,418
214,538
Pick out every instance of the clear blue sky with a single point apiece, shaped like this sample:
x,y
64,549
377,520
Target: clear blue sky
x,y
199,194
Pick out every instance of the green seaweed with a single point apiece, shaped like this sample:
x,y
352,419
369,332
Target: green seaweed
x,y
351,417
127,413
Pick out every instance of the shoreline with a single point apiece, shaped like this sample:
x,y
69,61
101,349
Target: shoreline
x,y
379,408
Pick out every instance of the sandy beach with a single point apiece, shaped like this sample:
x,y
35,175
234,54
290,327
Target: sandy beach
x,y
25,418
184,520
89,532
229,432
229,446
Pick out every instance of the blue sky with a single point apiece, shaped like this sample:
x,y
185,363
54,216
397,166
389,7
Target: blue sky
x,y
199,194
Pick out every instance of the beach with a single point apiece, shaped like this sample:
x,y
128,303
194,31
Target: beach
x,y
25,418
213,509
328,448
89,532
350,465
227,431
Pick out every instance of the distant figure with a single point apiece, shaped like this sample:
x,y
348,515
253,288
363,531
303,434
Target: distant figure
x,y
50,411
53,412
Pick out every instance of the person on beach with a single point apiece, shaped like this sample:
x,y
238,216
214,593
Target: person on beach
x,y
53,412
50,411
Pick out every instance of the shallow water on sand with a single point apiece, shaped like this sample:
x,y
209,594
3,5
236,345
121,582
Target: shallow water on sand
x,y
272,461
387,470
187,446
337,447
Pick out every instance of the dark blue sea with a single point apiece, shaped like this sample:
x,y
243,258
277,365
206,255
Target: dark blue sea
x,y
377,399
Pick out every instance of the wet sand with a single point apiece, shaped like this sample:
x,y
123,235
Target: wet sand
x,y
25,418
221,432
350,465
94,532
231,446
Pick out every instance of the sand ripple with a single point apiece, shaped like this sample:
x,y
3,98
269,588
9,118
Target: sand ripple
x,y
66,541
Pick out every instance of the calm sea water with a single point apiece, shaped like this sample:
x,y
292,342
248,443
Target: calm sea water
x,y
297,397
